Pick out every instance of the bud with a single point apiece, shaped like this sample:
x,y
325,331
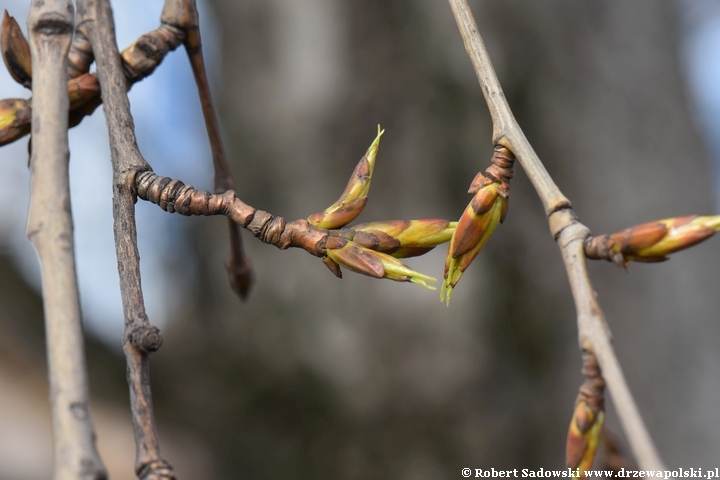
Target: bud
x,y
583,436
82,89
407,238
354,198
369,262
15,116
486,210
15,51
653,241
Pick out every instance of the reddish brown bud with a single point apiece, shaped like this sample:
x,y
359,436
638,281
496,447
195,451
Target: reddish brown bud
x,y
83,89
652,241
485,211
15,51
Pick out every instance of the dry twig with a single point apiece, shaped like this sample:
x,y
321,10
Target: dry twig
x,y
570,235
50,229
183,15
140,337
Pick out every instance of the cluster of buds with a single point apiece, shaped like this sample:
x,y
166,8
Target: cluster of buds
x,y
586,425
485,212
15,114
139,60
653,241
373,248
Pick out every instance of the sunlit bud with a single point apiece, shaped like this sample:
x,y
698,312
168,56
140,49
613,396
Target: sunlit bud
x,y
407,238
486,210
354,198
374,264
15,51
583,437
653,241
14,119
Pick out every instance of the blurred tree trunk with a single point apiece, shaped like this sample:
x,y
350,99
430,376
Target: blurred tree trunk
x,y
320,378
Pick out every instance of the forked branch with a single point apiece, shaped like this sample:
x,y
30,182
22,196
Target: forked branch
x,y
570,235
140,338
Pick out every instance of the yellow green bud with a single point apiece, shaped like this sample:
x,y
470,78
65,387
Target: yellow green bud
x,y
369,262
15,116
354,198
583,437
486,210
408,238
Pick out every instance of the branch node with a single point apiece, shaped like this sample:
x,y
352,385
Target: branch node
x,y
146,339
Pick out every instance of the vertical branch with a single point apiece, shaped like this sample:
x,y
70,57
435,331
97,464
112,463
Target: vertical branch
x,y
594,336
140,338
183,14
50,229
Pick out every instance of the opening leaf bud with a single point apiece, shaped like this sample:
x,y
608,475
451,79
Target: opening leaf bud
x,y
583,437
653,241
354,198
408,238
486,210
374,264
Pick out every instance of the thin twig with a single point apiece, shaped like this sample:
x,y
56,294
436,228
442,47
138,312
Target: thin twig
x,y
140,338
50,229
569,234
184,15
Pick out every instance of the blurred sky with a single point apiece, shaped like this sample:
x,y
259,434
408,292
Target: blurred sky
x,y
700,53
171,136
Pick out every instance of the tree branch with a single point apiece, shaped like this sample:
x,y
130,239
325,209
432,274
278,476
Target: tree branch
x,y
50,229
138,61
183,14
569,233
140,337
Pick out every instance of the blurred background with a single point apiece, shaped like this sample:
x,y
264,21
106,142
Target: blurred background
x,y
316,377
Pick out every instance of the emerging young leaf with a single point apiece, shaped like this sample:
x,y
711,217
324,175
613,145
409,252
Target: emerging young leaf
x,y
354,198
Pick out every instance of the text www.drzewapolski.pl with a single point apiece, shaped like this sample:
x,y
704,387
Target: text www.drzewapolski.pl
x,y
570,473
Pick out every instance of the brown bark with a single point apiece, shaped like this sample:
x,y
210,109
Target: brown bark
x,y
140,337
